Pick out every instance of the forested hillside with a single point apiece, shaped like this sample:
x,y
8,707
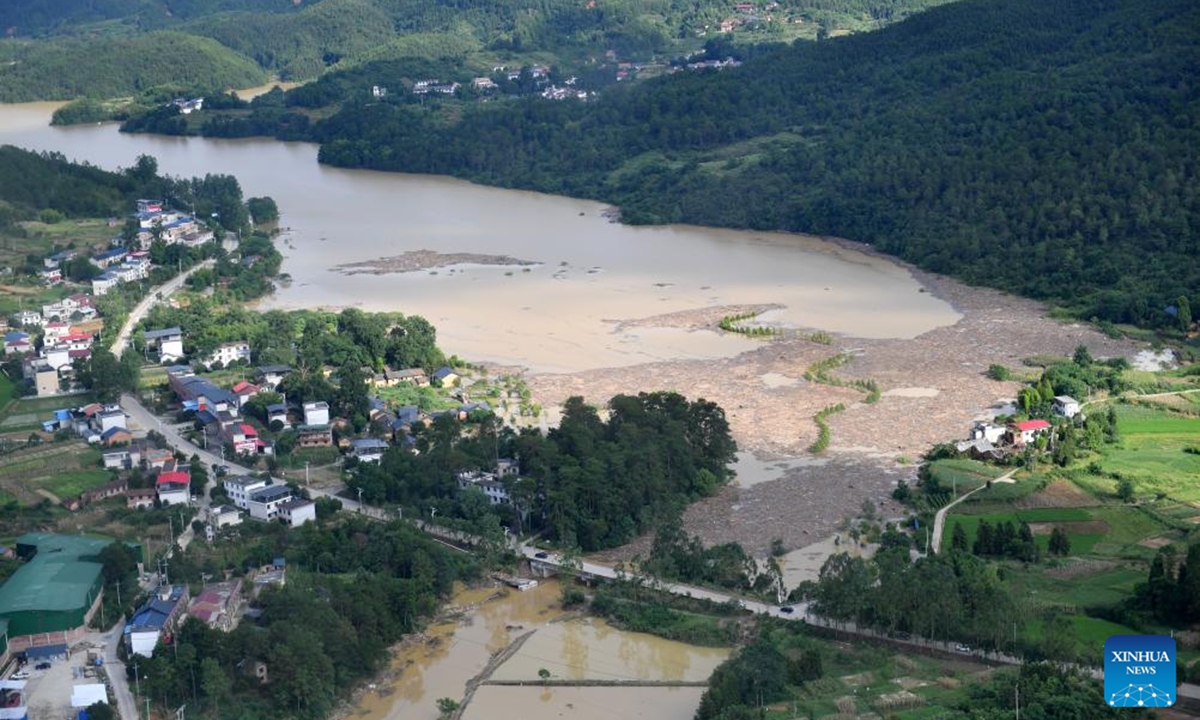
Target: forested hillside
x,y
1045,148
301,40
66,68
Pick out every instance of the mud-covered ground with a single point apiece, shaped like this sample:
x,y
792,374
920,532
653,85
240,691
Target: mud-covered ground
x,y
932,386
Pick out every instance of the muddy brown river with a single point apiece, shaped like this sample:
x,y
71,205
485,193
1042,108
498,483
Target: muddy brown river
x,y
569,648
557,315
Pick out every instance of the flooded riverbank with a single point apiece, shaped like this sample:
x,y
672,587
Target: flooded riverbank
x,y
454,652
562,314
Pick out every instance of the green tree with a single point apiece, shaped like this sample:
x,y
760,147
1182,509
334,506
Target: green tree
x,y
1060,542
262,210
101,711
1184,313
215,683
998,372
958,539
1125,490
1082,357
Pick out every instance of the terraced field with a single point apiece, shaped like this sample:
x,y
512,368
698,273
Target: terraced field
x,y
54,472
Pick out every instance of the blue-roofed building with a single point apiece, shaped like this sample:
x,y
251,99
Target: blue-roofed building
x,y
157,620
445,376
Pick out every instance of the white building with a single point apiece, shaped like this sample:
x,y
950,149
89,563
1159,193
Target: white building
x,y
983,430
239,489
264,504
229,352
28,317
169,342
224,516
316,413
487,482
296,512
1066,406
173,494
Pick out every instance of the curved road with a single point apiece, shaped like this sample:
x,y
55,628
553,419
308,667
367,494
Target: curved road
x,y
939,520
155,296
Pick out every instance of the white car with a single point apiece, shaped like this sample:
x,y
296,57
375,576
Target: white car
x,y
20,675
962,648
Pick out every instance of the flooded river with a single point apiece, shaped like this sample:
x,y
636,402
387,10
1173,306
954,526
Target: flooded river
x,y
556,315
568,648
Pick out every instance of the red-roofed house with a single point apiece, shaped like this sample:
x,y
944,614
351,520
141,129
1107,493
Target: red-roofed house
x,y
1026,431
174,476
244,438
244,391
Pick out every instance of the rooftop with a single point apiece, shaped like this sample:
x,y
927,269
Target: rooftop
x,y
271,493
164,333
59,576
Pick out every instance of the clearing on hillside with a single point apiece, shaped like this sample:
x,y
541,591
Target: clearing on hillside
x,y
1060,493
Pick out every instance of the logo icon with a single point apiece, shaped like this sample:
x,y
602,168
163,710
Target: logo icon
x,y
1139,671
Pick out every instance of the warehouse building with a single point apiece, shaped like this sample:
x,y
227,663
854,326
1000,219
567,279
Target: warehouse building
x,y
52,596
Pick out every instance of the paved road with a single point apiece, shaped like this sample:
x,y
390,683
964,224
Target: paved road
x,y
939,520
152,298
126,705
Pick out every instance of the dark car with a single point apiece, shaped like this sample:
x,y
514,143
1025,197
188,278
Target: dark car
x,y
42,666
541,555
903,635
787,609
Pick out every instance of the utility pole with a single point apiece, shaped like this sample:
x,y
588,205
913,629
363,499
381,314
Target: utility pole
x,y
306,473
1018,700
360,505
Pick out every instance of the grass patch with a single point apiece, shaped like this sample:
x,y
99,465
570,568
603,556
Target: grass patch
x,y
71,484
963,473
1151,454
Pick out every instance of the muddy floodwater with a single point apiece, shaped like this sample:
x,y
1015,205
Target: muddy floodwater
x,y
569,648
558,314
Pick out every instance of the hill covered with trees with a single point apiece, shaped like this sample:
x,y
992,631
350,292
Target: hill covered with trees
x,y
66,68
301,40
1044,148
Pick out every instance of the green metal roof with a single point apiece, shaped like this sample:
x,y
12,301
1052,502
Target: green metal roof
x,y
59,577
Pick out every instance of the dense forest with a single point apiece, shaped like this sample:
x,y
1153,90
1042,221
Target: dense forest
x,y
66,68
122,47
32,182
590,483
1045,148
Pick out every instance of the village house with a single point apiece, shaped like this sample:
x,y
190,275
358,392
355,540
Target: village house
x,y
277,412
197,394
1025,432
269,376
28,318
168,341
224,516
17,343
239,489
446,377
107,490
392,378
368,450
109,257
140,498
116,436
297,511
1066,406
309,436
488,483
229,353
244,391
66,309
50,277
173,487
316,413
264,503
157,620
244,439
217,605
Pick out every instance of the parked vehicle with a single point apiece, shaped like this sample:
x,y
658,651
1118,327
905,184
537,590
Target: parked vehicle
x,y
42,666
541,555
787,609
962,648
